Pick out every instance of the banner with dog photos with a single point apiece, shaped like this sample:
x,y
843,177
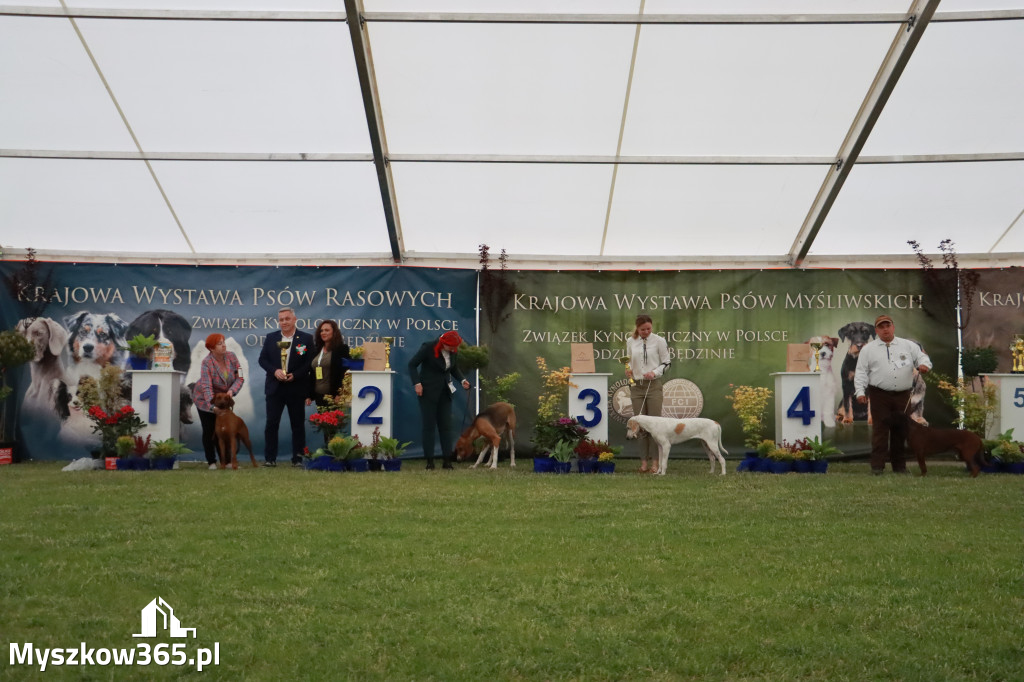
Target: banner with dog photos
x,y
79,317
723,328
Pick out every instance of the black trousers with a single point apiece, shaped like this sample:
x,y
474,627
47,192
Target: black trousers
x,y
436,414
886,438
276,405
208,420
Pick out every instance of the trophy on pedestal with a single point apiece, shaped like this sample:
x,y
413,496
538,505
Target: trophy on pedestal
x,y
388,342
816,343
1017,351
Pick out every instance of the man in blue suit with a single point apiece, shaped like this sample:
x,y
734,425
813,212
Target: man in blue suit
x,y
286,357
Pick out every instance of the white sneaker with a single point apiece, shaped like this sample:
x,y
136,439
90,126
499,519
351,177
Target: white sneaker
x,y
212,467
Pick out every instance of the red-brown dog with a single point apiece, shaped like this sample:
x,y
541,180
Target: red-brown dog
x,y
495,421
925,440
230,429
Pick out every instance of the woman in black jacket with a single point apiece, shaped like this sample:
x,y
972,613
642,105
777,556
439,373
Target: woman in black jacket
x,y
432,370
328,367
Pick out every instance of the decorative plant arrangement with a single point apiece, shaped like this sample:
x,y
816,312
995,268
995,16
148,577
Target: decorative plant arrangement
x,y
125,422
15,351
140,348
977,407
329,419
550,402
590,453
1007,453
751,405
804,456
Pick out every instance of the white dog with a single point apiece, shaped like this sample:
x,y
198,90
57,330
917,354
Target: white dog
x,y
829,385
667,431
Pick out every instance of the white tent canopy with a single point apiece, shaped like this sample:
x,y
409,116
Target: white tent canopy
x,y
650,133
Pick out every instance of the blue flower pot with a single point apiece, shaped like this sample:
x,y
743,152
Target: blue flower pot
x,y
124,464
359,464
781,466
749,463
335,465
139,463
320,463
164,463
819,466
803,466
562,467
587,466
353,364
1013,467
543,465
392,465
135,362
606,467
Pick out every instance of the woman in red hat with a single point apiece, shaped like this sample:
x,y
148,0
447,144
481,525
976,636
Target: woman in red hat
x,y
220,373
434,370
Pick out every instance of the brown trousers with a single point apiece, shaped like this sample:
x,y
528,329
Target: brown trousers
x,y
647,398
887,440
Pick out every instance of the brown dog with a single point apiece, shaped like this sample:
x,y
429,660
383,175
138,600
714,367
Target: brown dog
x,y
230,429
495,421
925,440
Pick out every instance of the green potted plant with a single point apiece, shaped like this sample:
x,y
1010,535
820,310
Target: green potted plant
x,y
15,351
817,452
390,451
751,406
1009,453
562,453
606,459
165,452
140,351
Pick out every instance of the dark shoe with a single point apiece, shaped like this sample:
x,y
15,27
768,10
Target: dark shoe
x,y
878,472
430,463
447,465
270,463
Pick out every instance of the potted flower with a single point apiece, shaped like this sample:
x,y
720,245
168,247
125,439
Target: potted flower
x,y
587,451
354,361
757,459
562,453
781,458
343,449
140,351
817,451
1009,454
606,460
15,351
328,420
164,453
751,406
390,451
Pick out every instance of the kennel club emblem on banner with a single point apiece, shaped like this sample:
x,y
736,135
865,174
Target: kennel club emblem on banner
x,y
682,400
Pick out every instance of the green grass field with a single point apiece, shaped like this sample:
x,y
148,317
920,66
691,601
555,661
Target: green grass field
x,y
510,575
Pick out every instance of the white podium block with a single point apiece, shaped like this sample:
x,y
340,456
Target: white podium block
x,y
588,403
1010,390
797,395
371,404
156,397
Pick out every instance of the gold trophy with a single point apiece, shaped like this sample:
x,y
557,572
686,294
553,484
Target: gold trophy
x,y
1017,351
815,342
624,360
388,341
284,346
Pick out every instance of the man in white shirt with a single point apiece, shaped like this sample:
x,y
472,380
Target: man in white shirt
x,y
885,374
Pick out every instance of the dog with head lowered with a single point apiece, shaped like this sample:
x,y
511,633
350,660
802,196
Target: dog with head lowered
x,y
230,429
497,420
926,440
667,431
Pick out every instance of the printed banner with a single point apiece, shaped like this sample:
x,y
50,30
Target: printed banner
x,y
91,309
723,328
